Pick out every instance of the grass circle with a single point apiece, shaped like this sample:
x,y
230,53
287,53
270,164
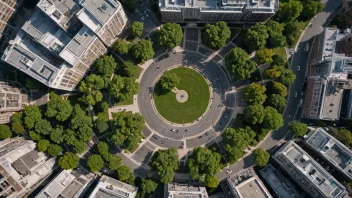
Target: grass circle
x,y
198,92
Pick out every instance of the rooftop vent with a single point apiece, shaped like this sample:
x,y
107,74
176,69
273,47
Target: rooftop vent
x,y
103,6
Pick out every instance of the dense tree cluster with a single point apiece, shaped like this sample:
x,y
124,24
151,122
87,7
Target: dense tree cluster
x,y
90,88
143,50
239,65
121,46
165,163
300,129
122,88
170,35
137,28
254,94
169,81
264,56
281,74
261,157
343,135
256,37
106,65
215,36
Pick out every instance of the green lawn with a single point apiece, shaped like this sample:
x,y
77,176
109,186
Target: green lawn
x,y
280,51
128,101
198,97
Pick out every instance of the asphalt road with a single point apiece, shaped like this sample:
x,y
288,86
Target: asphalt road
x,y
299,58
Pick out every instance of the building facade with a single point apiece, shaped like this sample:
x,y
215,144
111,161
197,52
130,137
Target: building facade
x,y
22,167
174,190
62,39
230,11
7,9
307,173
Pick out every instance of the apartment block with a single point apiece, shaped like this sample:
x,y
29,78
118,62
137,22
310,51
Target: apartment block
x,y
307,173
7,9
13,97
331,150
109,187
230,11
180,190
244,185
22,167
62,39
68,184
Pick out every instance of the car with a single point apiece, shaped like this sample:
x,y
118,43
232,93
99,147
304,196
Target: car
x,y
295,94
298,68
306,48
300,102
228,171
291,52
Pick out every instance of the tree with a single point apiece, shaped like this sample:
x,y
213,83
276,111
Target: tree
x,y
90,88
128,129
278,60
57,135
215,36
79,146
239,65
241,137
130,5
32,115
95,162
264,56
273,72
276,38
95,82
104,106
254,114
68,161
272,119
255,37
203,162
261,157
342,135
131,179
122,88
143,50
43,127
5,131
169,81
254,93
34,136
148,186
277,101
170,35
102,126
122,47
129,69
293,31
211,181
85,133
79,118
123,173
43,145
289,11
57,107
280,89
311,8
287,77
300,129
106,65
17,123
103,149
54,150
165,163
137,28
114,162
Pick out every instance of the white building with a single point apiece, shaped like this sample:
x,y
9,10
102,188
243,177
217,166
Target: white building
x,y
112,188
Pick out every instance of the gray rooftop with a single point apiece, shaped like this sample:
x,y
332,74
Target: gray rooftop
x,y
332,100
24,164
178,190
102,10
332,150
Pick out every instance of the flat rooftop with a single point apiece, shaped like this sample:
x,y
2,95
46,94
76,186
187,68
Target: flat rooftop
x,y
332,100
230,5
332,150
308,167
178,190
329,43
102,10
253,188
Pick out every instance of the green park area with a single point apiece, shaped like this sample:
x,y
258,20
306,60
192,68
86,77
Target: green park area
x,y
198,97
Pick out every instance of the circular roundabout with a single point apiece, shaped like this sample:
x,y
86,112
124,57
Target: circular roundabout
x,y
195,111
186,102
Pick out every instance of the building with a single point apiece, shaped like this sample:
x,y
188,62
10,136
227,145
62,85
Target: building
x,y
282,187
13,97
204,11
332,150
329,78
244,185
7,9
6,117
112,188
22,167
68,184
62,39
307,173
178,190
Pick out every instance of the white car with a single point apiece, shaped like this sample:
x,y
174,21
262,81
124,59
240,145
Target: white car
x,y
228,171
306,48
291,52
295,94
298,68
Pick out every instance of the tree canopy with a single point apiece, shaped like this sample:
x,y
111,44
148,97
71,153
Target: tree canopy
x,y
215,36
68,161
241,137
57,135
121,46
254,93
148,186
130,5
43,127
165,163
277,101
32,115
123,173
54,150
275,31
264,56
114,162
129,69
272,119
137,28
42,145
261,157
300,129
122,88
289,11
169,81
211,181
95,162
17,123
143,50
343,135
90,87
293,31
5,131
103,149
255,37
311,8
279,61
106,65
280,89
239,65
254,114
128,129
57,107
170,35
287,77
